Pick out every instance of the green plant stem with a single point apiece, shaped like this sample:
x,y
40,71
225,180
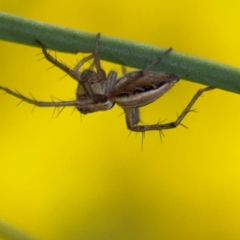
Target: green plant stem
x,y
11,233
128,53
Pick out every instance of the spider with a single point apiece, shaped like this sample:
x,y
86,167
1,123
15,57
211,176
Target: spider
x,y
97,91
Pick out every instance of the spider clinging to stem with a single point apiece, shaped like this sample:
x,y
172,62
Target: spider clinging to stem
x,y
97,91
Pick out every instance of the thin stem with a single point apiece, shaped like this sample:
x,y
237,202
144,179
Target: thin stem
x,y
11,233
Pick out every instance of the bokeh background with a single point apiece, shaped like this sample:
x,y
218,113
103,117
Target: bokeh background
x,y
84,177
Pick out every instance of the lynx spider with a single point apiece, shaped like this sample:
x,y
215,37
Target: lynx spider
x,y
97,91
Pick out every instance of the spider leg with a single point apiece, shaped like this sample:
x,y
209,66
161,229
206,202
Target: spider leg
x,y
95,55
74,74
40,103
158,60
80,63
96,82
110,83
140,73
132,117
100,71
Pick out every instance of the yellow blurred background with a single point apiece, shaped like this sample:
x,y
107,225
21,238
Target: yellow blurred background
x,y
84,177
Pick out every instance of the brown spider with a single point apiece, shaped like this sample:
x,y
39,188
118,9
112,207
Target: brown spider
x,y
97,91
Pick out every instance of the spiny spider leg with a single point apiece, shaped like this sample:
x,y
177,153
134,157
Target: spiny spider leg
x,y
139,88
89,76
100,71
158,60
41,103
83,79
131,118
140,73
95,55
74,74
80,63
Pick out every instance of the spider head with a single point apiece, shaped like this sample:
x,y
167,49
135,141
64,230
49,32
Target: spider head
x,y
92,76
